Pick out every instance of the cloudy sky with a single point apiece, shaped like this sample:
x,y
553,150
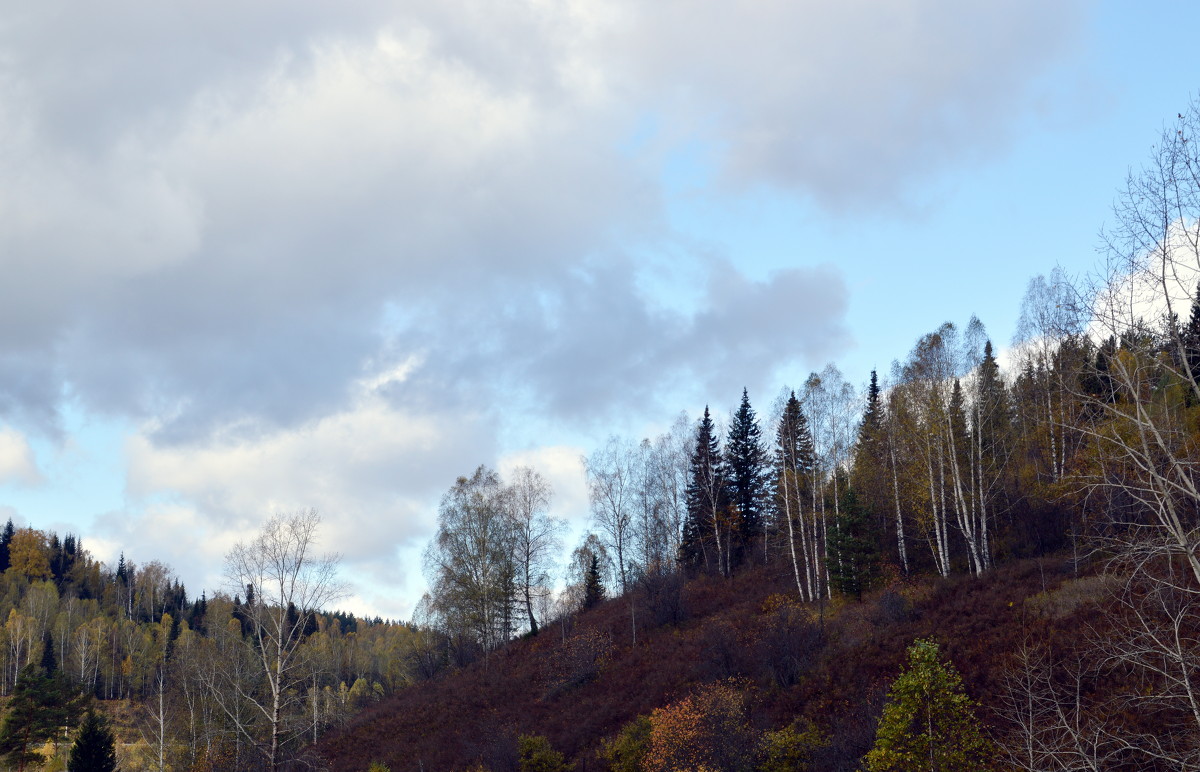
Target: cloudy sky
x,y
262,256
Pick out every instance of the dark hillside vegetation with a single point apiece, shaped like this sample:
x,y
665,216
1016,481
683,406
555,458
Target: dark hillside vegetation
x,y
579,691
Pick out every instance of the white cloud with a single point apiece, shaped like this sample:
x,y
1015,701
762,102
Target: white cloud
x,y
1155,283
373,472
17,461
561,466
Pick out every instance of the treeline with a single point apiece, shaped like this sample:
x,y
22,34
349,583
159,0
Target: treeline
x,y
184,667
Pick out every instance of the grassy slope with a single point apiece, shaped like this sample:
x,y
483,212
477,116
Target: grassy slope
x,y
846,663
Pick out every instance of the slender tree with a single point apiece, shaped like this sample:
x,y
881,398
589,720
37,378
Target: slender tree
x,y
291,583
535,535
611,478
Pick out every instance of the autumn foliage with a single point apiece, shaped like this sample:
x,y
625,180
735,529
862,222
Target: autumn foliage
x,y
706,730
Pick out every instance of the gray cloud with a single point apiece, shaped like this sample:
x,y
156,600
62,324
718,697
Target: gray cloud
x,y
851,103
591,343
219,207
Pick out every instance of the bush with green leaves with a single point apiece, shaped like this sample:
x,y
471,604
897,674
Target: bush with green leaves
x,y
536,755
928,723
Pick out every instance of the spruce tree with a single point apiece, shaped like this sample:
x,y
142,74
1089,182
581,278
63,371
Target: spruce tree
x,y
593,587
873,414
928,723
1191,340
868,468
746,475
794,459
6,537
49,661
853,547
95,748
705,536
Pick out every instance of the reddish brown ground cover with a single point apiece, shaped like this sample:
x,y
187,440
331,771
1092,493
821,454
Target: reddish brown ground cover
x,y
830,665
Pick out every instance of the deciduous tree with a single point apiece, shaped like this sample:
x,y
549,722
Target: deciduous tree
x,y
535,534
928,723
611,478
291,582
470,560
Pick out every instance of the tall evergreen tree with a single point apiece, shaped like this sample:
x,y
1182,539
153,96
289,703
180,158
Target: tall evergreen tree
x,y
593,587
853,547
794,461
873,414
1191,340
869,472
95,748
746,476
705,531
6,537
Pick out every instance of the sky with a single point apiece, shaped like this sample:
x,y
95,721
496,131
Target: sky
x,y
262,257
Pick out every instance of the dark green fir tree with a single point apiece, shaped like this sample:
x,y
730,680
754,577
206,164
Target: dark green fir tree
x,y
704,540
6,537
746,478
593,587
94,749
1191,340
873,414
853,547
794,459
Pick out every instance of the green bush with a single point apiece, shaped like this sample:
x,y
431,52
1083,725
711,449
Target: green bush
x,y
790,749
536,755
628,750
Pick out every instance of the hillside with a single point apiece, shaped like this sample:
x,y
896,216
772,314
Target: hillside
x,y
577,686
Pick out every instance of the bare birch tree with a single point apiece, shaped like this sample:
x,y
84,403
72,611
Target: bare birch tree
x,y
291,583
535,535
611,479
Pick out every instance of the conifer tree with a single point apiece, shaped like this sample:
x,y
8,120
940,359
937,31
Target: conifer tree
x,y
745,472
593,587
928,723
94,749
42,705
794,462
705,531
6,537
853,548
873,414
869,471
1191,340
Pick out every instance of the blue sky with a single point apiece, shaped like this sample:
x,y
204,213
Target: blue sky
x,y
290,256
